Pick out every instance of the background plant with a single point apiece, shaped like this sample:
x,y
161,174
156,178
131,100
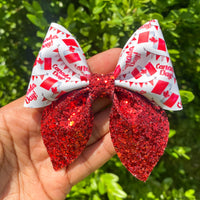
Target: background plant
x,y
101,25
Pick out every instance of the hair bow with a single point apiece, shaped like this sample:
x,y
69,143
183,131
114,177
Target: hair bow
x,y
142,85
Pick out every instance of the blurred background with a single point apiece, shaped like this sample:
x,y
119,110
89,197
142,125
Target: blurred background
x,y
99,25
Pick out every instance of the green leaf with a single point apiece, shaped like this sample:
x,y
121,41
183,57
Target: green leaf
x,y
172,132
157,16
126,3
175,34
154,1
113,41
169,25
119,193
128,20
96,197
181,151
113,8
28,7
186,96
85,3
101,187
86,48
41,34
174,51
144,1
38,21
106,37
85,31
93,184
172,153
114,22
167,182
150,195
190,194
111,197
3,70
37,7
98,9
70,10
109,177
116,190
33,19
175,155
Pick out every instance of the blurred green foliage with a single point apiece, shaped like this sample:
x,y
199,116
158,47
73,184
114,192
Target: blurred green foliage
x,y
101,25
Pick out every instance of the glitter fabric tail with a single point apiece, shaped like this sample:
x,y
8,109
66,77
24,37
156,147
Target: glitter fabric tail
x,y
66,126
139,132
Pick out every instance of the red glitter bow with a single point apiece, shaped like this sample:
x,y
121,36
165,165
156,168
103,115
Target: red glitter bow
x,y
139,127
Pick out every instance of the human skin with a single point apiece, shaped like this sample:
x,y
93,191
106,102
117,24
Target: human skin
x,y
26,172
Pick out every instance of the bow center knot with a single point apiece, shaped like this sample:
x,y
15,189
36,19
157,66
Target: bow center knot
x,y
101,85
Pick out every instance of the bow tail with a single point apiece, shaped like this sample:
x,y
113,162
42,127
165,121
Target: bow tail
x,y
139,131
66,127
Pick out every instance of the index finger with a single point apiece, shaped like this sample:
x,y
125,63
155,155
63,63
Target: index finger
x,y
104,62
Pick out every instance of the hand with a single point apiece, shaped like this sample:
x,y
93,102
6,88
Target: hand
x,y
26,171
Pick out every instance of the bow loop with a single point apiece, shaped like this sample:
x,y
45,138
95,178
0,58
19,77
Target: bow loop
x,y
148,39
71,53
145,67
60,67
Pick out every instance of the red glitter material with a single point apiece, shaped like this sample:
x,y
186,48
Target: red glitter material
x,y
139,129
66,126
101,86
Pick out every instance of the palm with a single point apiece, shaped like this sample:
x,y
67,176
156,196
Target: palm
x,y
25,167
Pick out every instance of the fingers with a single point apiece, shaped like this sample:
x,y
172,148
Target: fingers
x,y
104,62
100,126
99,148
92,158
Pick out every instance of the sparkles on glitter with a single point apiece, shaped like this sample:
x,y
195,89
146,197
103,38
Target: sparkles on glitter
x,y
139,129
